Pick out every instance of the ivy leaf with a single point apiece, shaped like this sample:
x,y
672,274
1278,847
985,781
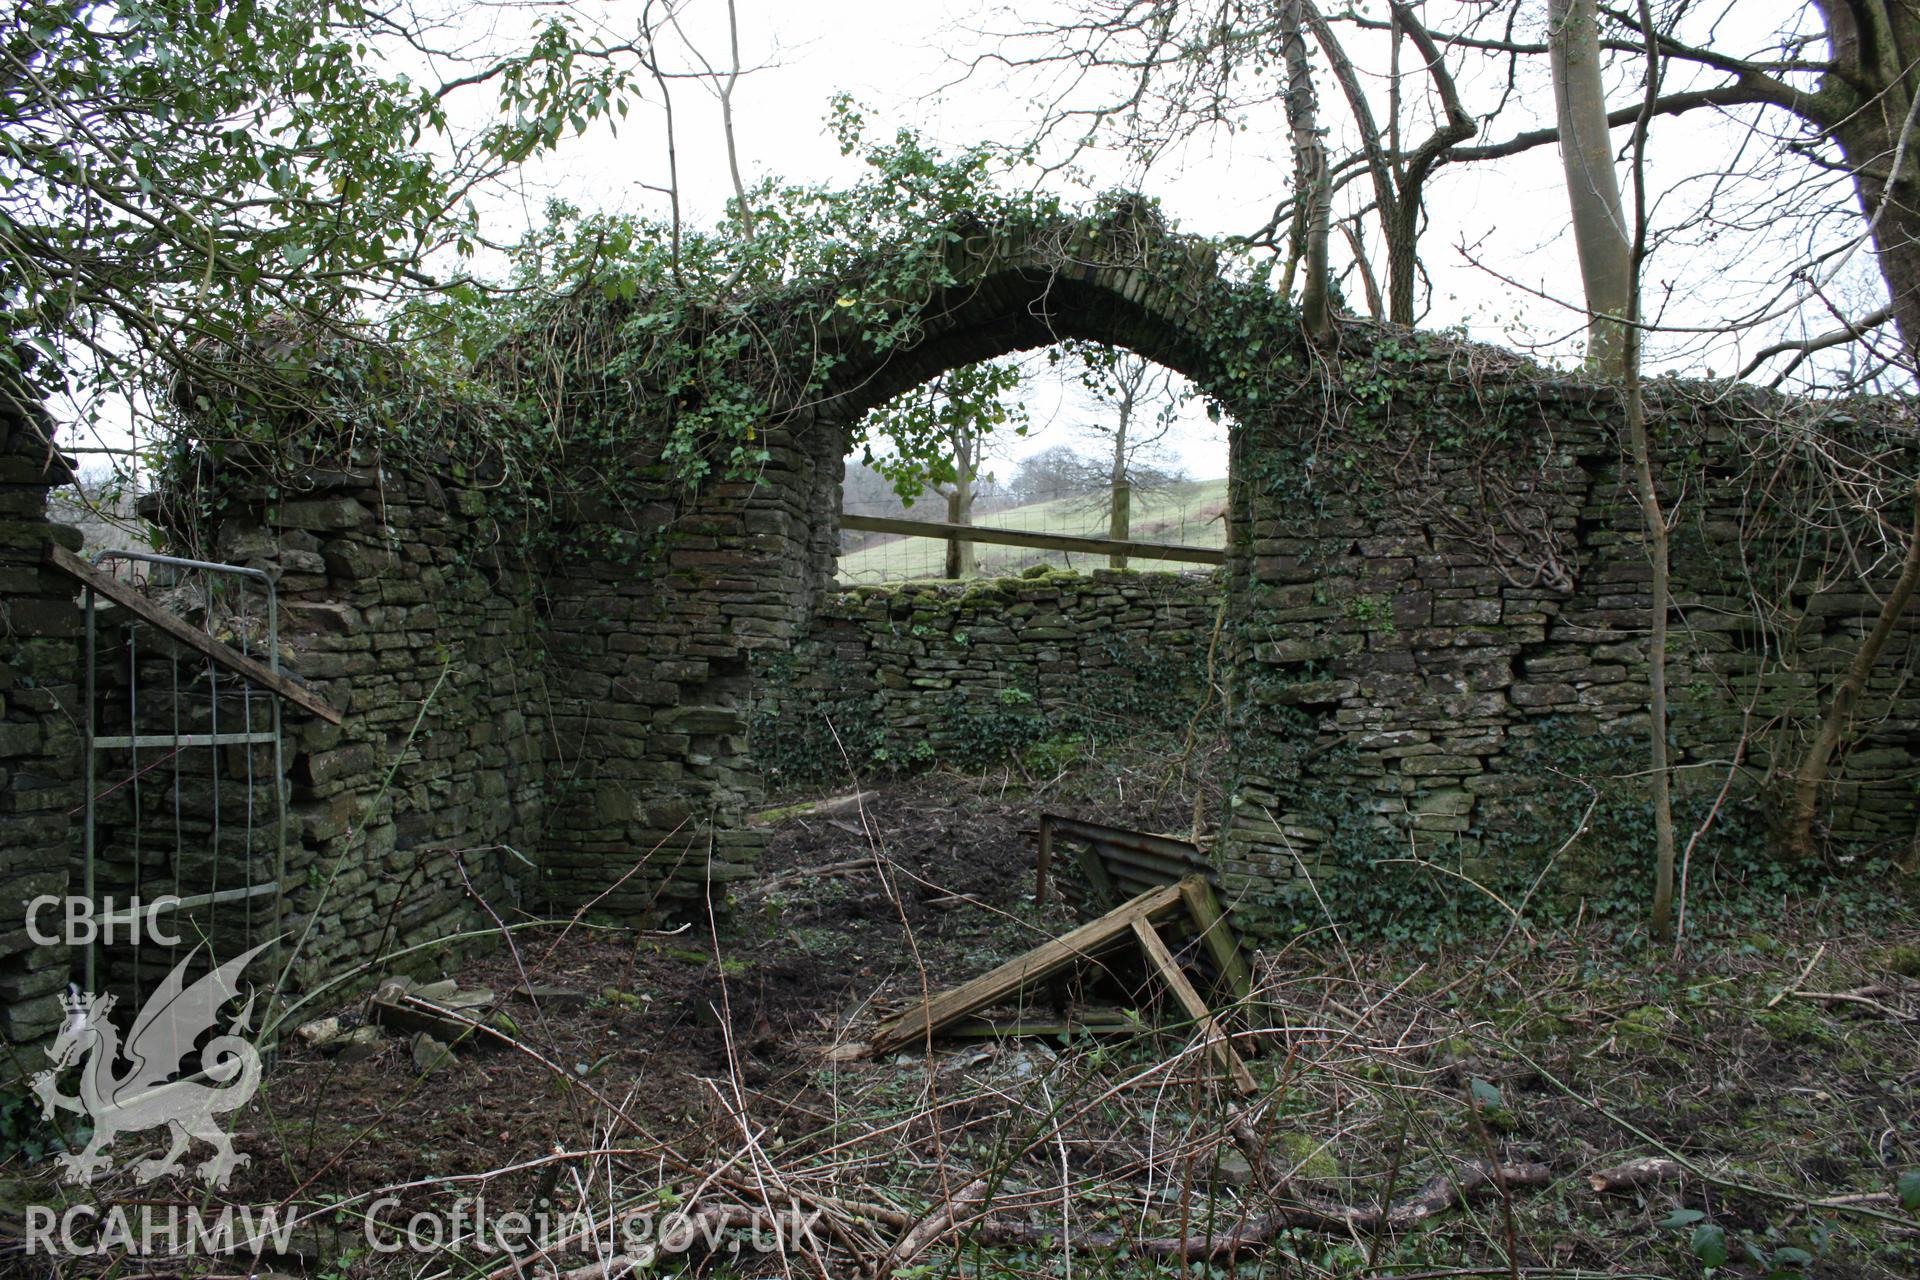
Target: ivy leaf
x,y
1710,1244
1908,1189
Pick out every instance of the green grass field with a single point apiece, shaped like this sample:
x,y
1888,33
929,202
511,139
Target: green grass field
x,y
1190,515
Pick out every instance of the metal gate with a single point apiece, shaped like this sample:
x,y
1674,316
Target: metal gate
x,y
185,780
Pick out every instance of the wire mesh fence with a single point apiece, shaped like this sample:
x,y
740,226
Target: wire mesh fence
x,y
1187,514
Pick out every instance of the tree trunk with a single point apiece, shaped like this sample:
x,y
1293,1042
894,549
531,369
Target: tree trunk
x,y
1892,209
1593,189
1656,536
1313,187
1120,510
1812,773
960,510
1628,336
1865,104
1403,264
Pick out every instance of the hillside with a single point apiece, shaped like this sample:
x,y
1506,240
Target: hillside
x,y
1191,514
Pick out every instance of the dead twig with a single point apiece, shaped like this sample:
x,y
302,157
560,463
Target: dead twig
x,y
1791,986
948,1217
1437,1196
1635,1174
1862,996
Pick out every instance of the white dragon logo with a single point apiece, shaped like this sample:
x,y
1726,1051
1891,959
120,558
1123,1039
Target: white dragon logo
x,y
163,1034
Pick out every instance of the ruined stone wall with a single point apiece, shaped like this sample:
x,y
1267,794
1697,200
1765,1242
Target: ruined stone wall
x,y
404,605
1428,641
1450,646
1430,628
891,679
39,740
656,611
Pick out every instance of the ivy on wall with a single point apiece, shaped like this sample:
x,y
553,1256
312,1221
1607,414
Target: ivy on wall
x,y
823,718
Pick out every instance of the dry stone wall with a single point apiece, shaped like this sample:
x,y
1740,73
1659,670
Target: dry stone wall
x,y
655,615
39,743
1442,644
890,679
400,605
1434,604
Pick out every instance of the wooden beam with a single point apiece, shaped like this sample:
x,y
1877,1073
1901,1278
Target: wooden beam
x,y
1023,972
1217,935
1162,960
1096,1022
1042,863
1099,883
1023,538
179,629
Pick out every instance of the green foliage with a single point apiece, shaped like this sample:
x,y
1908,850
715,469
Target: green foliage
x,y
837,737
183,178
630,356
701,337
1459,888
985,733
920,435
25,1130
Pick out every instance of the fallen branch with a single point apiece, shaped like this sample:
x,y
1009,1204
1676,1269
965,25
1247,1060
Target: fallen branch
x,y
1635,1174
847,867
1437,1196
936,1226
1862,996
1790,987
614,1268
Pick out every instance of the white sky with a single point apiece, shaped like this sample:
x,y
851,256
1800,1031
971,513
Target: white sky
x,y
1496,245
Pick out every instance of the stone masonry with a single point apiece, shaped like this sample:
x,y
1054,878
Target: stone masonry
x,y
1413,592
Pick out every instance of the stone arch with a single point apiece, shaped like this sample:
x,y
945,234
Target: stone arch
x,y
1399,621
1015,298
1121,280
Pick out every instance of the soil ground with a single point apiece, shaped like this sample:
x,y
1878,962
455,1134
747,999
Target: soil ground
x,y
1778,1069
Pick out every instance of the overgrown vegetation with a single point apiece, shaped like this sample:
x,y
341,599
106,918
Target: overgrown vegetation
x,y
1567,851
1748,1100
837,735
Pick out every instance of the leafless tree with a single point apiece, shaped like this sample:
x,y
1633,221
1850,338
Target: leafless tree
x,y
1593,189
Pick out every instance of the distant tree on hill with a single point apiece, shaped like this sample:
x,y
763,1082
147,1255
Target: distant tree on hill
x,y
1061,471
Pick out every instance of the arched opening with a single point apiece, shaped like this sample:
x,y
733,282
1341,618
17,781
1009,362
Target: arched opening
x,y
1083,612
1077,456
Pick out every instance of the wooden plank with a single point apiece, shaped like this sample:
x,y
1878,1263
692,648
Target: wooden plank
x,y
1024,538
807,808
179,629
1173,847
127,741
1104,1022
1105,893
1162,959
1042,862
1217,935
1036,966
